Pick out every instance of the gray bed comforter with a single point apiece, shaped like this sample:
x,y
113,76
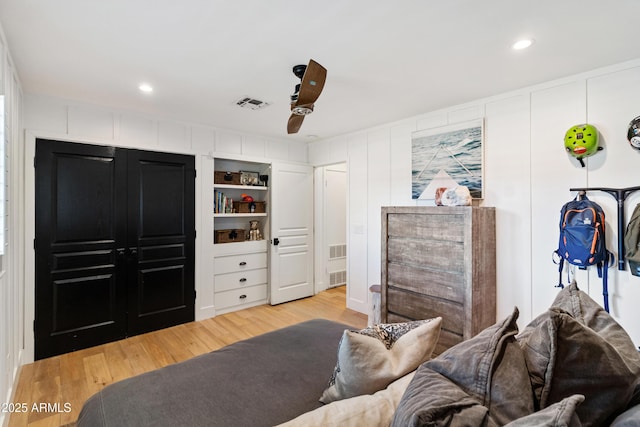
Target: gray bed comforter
x,y
262,381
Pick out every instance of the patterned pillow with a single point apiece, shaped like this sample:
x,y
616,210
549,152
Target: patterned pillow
x,y
370,359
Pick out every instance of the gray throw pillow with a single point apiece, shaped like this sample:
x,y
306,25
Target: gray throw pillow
x,y
561,414
433,400
484,378
565,357
589,313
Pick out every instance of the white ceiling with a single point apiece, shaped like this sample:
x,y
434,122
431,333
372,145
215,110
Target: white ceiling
x,y
386,60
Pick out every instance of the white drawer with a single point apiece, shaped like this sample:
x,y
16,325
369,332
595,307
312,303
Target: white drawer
x,y
240,296
233,263
241,279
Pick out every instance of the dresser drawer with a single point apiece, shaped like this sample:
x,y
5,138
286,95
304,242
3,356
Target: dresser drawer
x,y
437,254
447,225
240,296
418,307
234,263
436,283
240,279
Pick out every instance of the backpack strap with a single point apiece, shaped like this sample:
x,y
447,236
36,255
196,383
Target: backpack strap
x,y
558,259
605,286
603,269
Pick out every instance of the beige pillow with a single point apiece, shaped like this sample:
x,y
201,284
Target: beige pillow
x,y
370,359
369,410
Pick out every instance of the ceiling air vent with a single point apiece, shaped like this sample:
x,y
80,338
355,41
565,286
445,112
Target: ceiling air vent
x,y
251,103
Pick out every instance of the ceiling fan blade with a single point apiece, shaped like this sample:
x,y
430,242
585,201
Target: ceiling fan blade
x,y
312,83
295,121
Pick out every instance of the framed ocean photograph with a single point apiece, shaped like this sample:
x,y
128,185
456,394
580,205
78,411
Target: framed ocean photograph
x,y
447,156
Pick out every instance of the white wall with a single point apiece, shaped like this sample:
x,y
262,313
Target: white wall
x,y
527,179
61,119
11,293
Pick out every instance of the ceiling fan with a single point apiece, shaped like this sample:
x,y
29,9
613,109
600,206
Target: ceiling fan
x,y
312,78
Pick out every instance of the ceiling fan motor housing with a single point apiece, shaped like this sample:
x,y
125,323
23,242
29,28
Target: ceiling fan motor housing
x,y
298,70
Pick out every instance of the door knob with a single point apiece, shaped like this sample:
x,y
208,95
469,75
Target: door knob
x,y
276,241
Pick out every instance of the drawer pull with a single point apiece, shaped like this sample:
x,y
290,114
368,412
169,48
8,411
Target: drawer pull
x,y
243,263
243,296
244,279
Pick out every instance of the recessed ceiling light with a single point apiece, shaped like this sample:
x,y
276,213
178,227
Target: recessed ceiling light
x,y
146,88
522,44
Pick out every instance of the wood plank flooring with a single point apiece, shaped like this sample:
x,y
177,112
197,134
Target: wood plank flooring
x,y
66,381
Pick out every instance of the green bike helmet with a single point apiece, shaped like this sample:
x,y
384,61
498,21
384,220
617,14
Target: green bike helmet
x,y
581,141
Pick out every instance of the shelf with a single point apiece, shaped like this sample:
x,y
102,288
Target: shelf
x,y
237,215
241,187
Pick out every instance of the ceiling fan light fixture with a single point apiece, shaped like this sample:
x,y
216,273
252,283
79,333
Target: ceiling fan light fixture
x,y
301,111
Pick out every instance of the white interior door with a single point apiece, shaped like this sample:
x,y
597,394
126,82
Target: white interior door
x,y
291,232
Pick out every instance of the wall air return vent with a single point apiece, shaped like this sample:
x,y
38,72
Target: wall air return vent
x,y
251,103
337,278
337,251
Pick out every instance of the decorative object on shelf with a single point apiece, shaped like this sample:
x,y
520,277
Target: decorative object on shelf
x,y
439,192
249,178
447,156
229,236
249,207
264,179
254,230
457,196
221,177
581,141
246,197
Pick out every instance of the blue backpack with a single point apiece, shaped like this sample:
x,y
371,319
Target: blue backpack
x,y
582,240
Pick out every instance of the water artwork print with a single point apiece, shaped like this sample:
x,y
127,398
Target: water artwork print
x,y
447,156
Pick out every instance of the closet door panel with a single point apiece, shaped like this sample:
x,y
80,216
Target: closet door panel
x,y
160,240
80,291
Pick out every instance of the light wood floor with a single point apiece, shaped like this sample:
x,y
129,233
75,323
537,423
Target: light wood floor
x,y
72,378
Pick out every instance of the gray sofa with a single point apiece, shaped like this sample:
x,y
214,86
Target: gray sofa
x,y
572,366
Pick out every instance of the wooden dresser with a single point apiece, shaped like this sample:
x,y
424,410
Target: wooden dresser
x,y
440,261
